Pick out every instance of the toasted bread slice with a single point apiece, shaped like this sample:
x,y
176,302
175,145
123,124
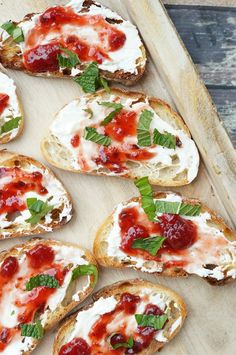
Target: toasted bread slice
x,y
25,300
32,199
66,147
117,321
209,248
94,32
11,114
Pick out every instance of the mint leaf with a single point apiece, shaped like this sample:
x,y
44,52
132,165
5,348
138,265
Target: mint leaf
x,y
146,320
104,84
14,31
164,139
38,209
69,61
42,280
33,330
10,125
146,193
151,244
89,80
128,345
89,112
83,270
92,135
177,208
144,137
117,108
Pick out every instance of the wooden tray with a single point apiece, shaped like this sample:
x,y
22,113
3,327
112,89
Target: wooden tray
x,y
171,75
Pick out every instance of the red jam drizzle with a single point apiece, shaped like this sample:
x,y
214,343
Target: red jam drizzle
x,y
42,58
180,234
11,195
4,100
77,346
39,259
75,141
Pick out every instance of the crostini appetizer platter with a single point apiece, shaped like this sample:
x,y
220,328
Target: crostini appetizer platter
x,y
117,186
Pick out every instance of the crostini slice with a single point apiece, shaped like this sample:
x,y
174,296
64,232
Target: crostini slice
x,y
32,199
121,133
62,40
186,237
129,317
11,115
41,281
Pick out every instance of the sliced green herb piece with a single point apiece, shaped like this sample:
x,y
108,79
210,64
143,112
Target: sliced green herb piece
x,y
42,280
83,270
10,125
69,61
117,108
128,345
104,84
38,209
164,139
146,193
144,137
151,244
92,135
146,320
177,208
14,31
89,80
90,112
33,330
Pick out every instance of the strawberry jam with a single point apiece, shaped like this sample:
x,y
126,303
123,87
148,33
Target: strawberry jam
x,y
4,100
123,125
75,141
55,21
77,346
9,267
6,336
40,255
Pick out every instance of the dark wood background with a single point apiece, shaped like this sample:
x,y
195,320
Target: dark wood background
x,y
209,33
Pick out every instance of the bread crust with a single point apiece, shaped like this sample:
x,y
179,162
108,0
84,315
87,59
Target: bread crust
x,y
160,106
116,289
10,159
11,57
61,311
100,251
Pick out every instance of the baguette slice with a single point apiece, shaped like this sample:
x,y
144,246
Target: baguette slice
x,y
212,255
23,178
79,324
66,147
121,62
20,304
11,114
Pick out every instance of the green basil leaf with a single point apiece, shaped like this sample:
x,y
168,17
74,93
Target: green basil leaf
x,y
42,280
177,208
164,139
146,193
151,244
33,330
92,135
10,125
38,210
128,345
104,84
117,108
89,112
89,80
83,270
144,137
71,60
14,31
146,320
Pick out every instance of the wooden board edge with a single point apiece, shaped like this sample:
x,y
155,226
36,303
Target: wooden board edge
x,y
215,3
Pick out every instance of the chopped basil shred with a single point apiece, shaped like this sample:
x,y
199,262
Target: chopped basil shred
x,y
89,112
164,139
42,280
146,193
14,31
67,59
90,80
146,320
10,125
177,208
150,244
38,209
104,84
83,270
144,136
92,135
128,345
117,108
33,330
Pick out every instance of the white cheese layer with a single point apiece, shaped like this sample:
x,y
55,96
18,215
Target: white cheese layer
x,y
125,58
73,119
64,255
7,86
211,247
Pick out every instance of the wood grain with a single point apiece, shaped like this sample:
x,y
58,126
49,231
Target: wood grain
x,y
95,197
230,3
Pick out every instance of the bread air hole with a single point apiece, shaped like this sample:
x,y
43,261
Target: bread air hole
x,y
175,159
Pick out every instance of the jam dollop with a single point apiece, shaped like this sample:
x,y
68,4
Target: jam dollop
x,y
4,100
9,267
40,255
77,346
